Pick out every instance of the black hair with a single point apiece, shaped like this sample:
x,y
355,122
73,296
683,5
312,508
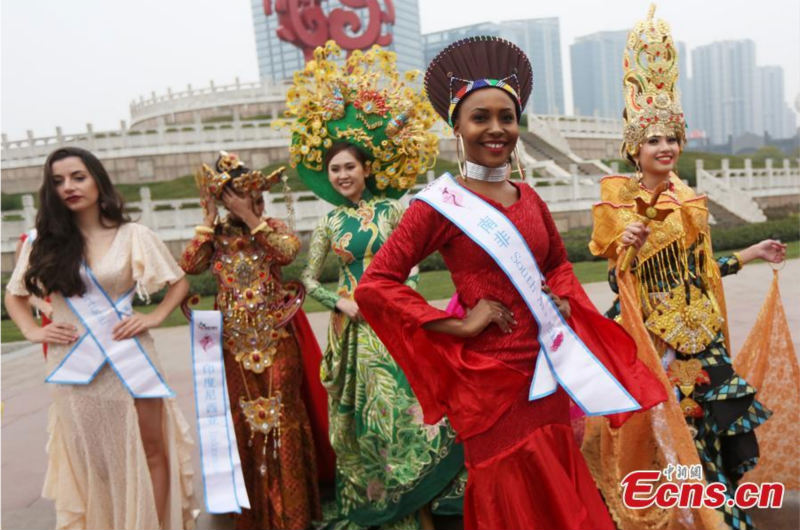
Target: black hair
x,y
354,150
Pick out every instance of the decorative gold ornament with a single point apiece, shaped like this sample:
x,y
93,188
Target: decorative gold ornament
x,y
685,375
257,360
687,327
652,99
263,414
211,181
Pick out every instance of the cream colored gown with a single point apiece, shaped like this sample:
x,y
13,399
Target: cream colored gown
x,y
97,471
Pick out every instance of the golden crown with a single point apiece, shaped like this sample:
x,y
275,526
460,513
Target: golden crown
x,y
229,169
366,103
652,100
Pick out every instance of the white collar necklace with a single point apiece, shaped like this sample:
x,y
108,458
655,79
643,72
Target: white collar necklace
x,y
488,174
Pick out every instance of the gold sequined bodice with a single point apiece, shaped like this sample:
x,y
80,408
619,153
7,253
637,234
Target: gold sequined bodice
x,y
253,300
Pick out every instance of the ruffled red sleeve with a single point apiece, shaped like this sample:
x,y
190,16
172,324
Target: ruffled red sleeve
x,y
445,376
606,339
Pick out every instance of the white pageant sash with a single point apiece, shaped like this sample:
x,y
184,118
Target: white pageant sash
x,y
223,480
99,314
563,358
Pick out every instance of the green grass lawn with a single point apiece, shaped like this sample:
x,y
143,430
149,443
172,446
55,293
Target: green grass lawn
x,y
433,285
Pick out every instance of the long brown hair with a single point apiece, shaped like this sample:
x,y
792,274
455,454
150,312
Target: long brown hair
x,y
58,250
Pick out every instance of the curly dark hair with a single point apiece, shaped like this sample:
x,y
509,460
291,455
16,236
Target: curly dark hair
x,y
58,250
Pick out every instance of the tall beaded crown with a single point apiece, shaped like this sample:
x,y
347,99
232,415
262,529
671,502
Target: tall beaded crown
x,y
230,169
366,103
652,100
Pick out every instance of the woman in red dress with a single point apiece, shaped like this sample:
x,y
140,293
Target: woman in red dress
x,y
525,468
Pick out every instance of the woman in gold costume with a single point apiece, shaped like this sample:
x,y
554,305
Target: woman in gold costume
x,y
655,233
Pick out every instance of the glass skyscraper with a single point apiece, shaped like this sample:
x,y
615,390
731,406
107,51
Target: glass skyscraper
x,y
278,60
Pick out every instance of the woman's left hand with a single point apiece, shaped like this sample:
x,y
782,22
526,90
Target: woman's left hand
x,y
769,250
561,303
134,324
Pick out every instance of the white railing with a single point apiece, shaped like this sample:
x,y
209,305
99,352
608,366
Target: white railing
x,y
585,126
757,182
192,98
572,193
161,140
736,189
175,219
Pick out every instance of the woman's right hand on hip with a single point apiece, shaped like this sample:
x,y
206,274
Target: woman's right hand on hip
x,y
487,312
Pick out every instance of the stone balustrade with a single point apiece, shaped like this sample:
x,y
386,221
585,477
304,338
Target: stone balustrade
x,y
175,219
193,98
585,126
758,182
736,189
197,136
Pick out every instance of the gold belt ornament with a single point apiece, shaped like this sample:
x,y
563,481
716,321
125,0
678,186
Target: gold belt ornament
x,y
688,328
685,375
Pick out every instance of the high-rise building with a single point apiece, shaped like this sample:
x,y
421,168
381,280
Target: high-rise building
x,y
725,86
776,117
684,82
596,61
539,38
596,64
278,59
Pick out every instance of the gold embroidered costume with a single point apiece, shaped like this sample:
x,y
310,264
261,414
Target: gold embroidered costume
x,y
263,363
671,302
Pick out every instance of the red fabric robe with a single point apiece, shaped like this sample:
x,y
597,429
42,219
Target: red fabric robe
x,y
525,468
315,397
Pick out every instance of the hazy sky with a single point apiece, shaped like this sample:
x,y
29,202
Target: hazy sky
x,y
77,61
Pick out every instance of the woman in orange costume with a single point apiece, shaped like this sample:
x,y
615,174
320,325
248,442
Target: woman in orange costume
x,y
671,301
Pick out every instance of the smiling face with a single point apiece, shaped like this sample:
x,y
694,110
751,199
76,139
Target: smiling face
x,y
658,155
74,184
487,122
347,175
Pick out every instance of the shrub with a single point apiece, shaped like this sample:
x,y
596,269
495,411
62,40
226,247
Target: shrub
x,y
10,202
329,273
787,229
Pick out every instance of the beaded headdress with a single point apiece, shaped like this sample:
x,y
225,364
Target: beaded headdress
x,y
367,104
652,100
229,169
475,63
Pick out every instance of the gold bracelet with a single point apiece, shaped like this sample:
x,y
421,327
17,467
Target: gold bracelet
x,y
739,259
261,227
202,229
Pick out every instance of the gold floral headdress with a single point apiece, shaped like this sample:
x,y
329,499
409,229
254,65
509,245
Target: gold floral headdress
x,y
652,100
229,168
367,104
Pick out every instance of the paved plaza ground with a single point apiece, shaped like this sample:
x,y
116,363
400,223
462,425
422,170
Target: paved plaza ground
x,y
26,398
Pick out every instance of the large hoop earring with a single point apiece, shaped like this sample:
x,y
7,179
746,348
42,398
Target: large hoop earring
x,y
519,164
461,156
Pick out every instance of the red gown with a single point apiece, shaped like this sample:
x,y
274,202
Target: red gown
x,y
525,468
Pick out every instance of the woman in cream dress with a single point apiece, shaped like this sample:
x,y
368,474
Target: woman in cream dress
x,y
114,461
